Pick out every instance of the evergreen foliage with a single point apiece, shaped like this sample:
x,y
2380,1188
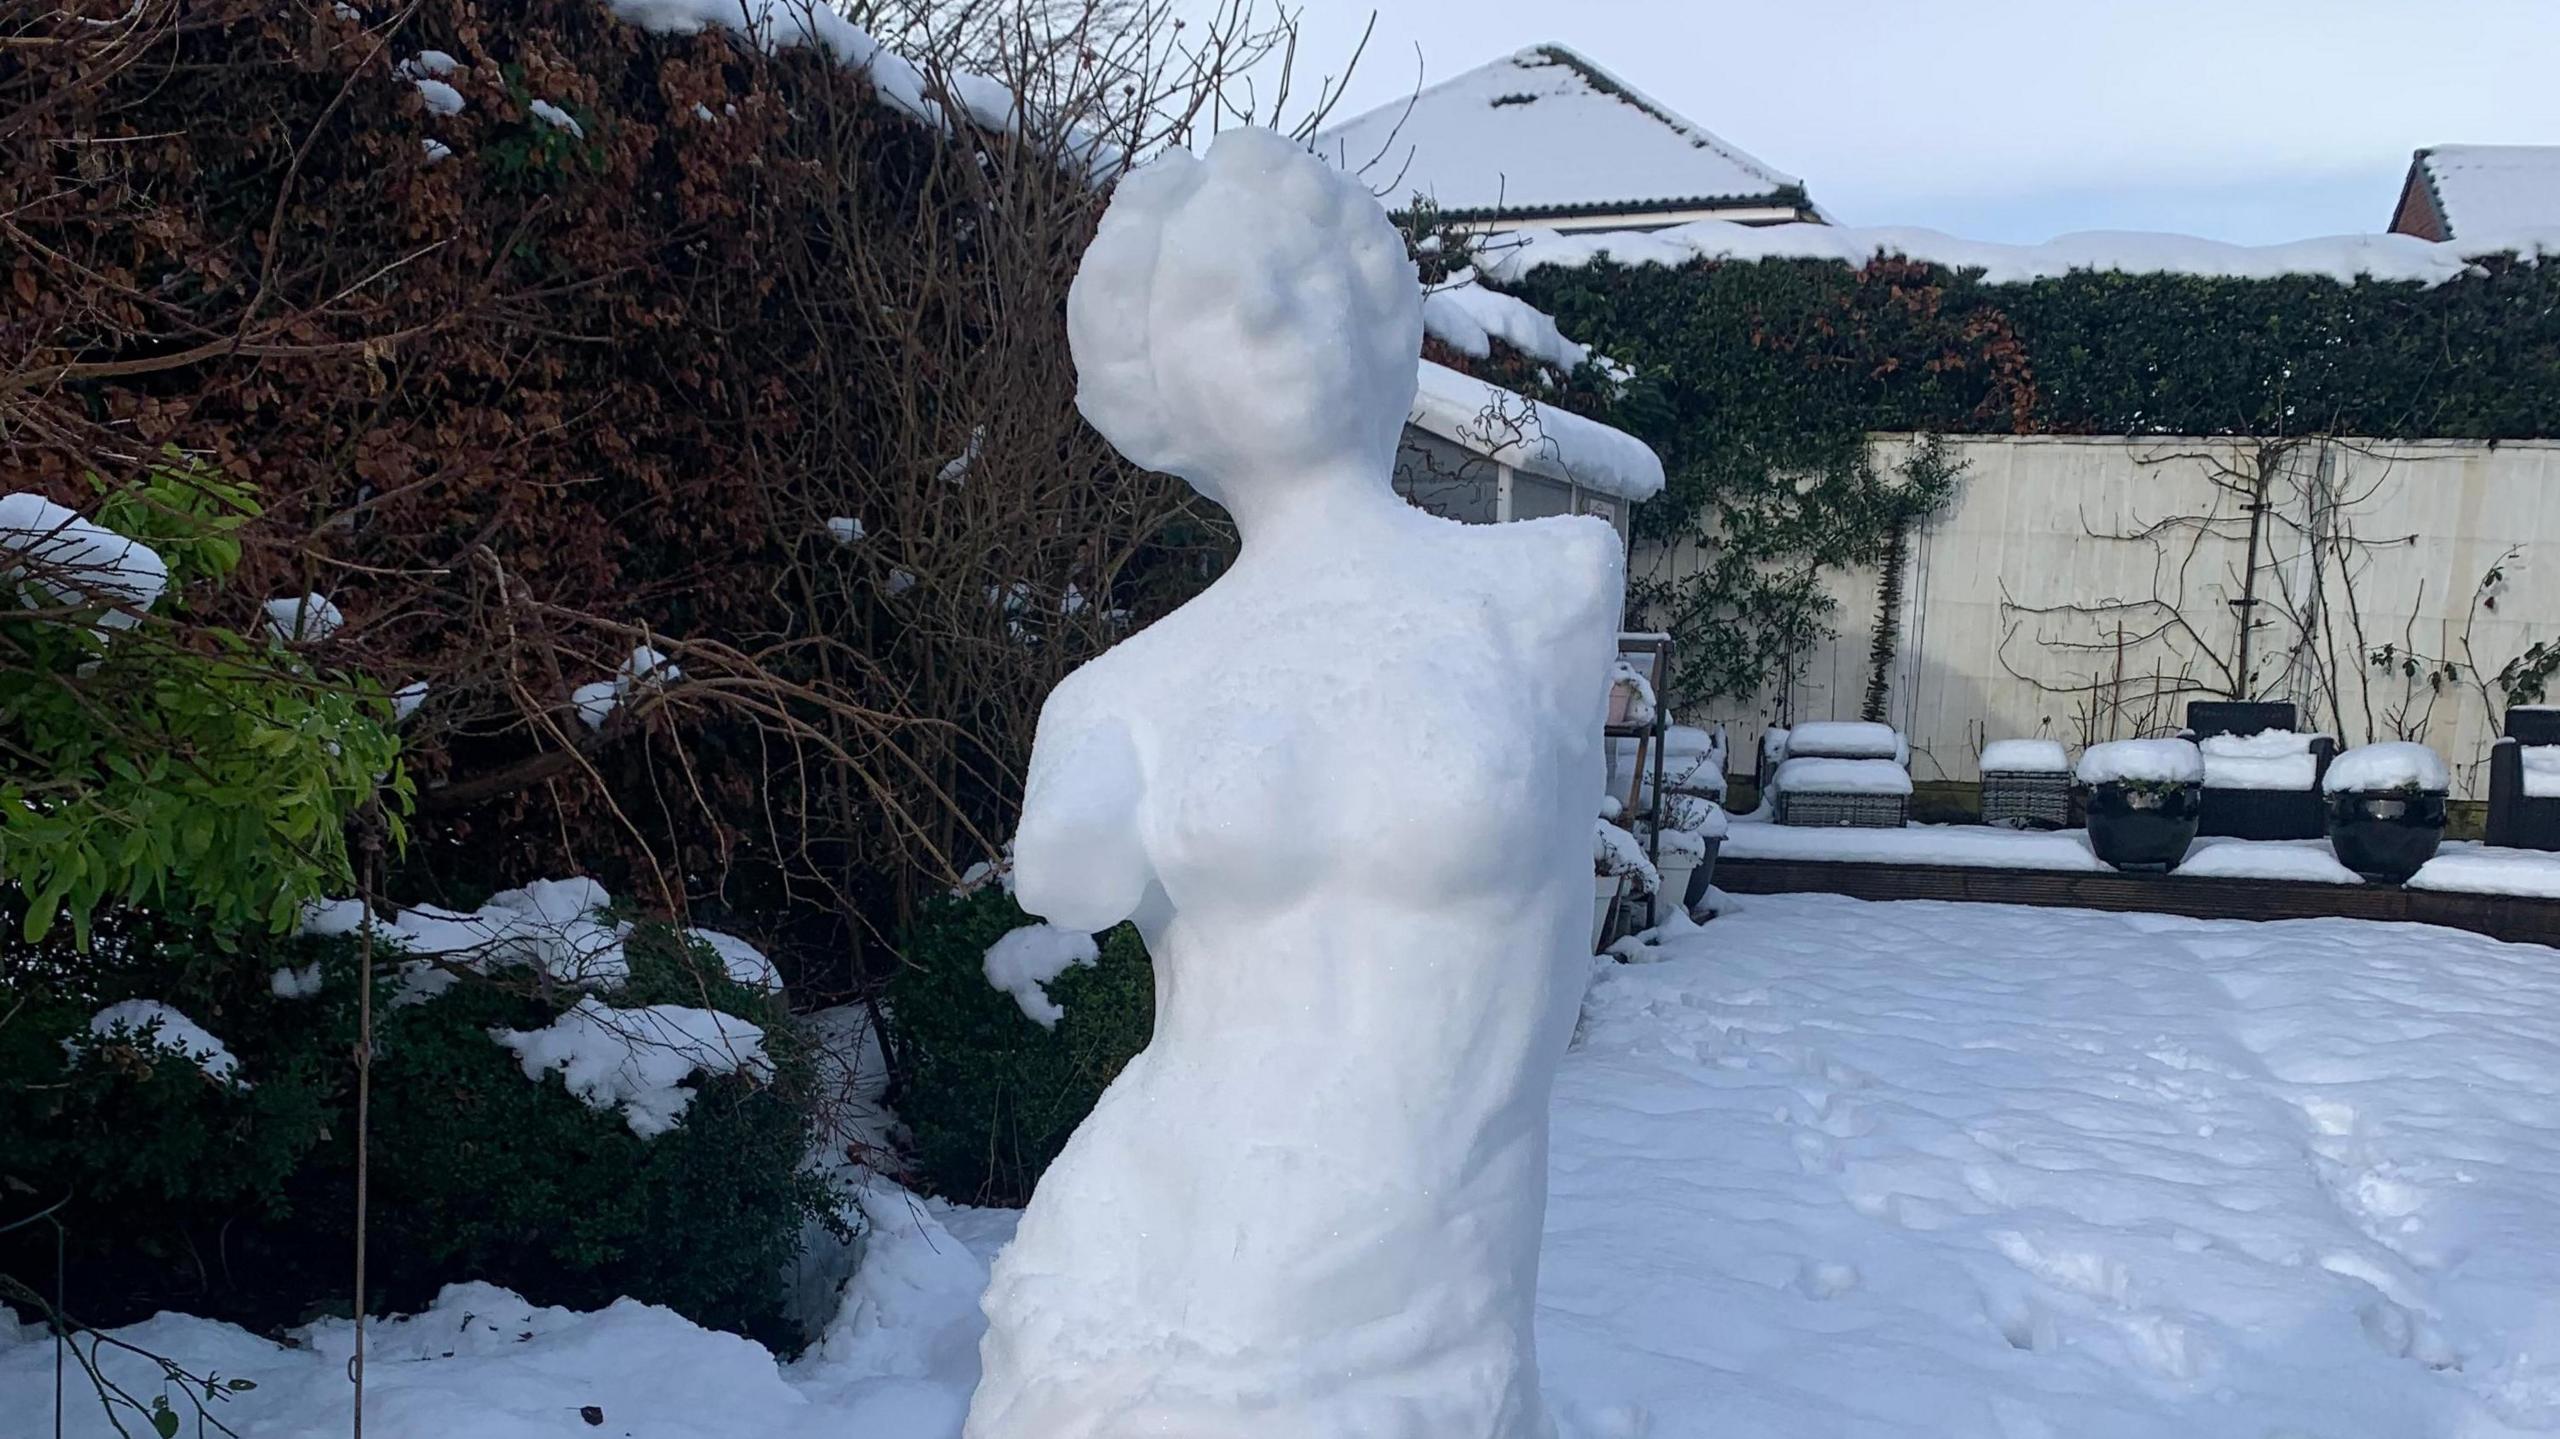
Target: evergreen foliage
x,y
990,1096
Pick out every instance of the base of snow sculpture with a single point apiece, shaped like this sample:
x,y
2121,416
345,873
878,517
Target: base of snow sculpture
x,y
1346,794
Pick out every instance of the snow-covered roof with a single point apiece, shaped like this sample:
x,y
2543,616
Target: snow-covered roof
x,y
2342,258
1542,440
1546,132
2483,190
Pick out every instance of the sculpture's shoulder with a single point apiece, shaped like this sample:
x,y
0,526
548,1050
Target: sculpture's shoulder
x,y
1570,569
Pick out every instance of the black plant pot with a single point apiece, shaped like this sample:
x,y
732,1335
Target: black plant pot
x,y
2143,828
2385,836
1704,875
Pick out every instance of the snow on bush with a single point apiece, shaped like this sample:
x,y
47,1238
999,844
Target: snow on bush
x,y
596,700
2389,765
1467,318
2025,756
788,23
557,118
636,1060
62,559
149,1024
2342,258
742,962
557,926
2142,761
844,529
1023,962
301,619
1616,852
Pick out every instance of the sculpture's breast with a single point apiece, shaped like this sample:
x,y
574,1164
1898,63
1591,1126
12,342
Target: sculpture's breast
x,y
1339,747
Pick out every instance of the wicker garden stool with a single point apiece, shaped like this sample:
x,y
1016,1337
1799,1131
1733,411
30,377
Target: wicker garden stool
x,y
2026,784
1822,791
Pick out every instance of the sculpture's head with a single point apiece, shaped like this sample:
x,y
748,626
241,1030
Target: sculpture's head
x,y
1247,319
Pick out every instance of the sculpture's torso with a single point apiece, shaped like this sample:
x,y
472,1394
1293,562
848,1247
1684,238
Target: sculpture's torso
x,y
1311,1207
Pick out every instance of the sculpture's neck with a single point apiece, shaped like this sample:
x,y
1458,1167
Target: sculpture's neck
x,y
1273,512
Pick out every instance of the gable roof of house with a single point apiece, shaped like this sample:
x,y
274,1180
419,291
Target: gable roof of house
x,y
1547,132
2482,190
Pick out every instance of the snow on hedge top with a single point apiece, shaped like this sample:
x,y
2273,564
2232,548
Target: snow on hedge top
x,y
2142,761
1545,440
2393,764
2342,258
2488,190
149,1024
1468,318
1543,130
637,1060
783,23
79,563
777,24
2025,756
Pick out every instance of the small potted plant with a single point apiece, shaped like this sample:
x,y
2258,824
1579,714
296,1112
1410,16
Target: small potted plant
x,y
1630,695
1693,830
2385,807
1618,867
2144,799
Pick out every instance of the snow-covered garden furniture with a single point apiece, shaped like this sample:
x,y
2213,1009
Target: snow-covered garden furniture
x,y
2261,778
1842,772
2144,797
2524,781
2386,808
2026,784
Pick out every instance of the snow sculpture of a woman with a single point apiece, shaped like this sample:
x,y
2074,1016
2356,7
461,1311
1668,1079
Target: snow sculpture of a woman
x,y
1346,794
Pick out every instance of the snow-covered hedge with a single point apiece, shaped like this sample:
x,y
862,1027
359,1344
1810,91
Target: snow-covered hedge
x,y
1005,1034
640,1133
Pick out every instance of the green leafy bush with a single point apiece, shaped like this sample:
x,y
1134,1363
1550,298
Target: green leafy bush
x,y
989,1096
180,764
237,1200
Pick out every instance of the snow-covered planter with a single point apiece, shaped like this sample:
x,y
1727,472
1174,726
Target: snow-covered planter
x,y
2145,796
2386,808
1692,833
1630,694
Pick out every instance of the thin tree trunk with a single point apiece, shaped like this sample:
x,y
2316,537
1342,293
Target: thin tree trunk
x,y
1888,639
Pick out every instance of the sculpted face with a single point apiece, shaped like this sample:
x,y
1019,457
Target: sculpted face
x,y
1249,318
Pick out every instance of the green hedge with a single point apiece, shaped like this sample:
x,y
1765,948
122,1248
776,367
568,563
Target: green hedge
x,y
1818,346
989,1096
237,1201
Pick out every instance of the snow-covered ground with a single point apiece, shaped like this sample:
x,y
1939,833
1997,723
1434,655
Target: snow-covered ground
x,y
1820,1168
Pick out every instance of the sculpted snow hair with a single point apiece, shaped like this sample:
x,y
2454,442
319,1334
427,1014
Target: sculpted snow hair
x,y
1169,318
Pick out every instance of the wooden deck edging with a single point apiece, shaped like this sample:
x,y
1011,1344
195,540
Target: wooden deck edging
x,y
2526,921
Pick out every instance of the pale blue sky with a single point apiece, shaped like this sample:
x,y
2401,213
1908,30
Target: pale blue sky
x,y
2246,120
